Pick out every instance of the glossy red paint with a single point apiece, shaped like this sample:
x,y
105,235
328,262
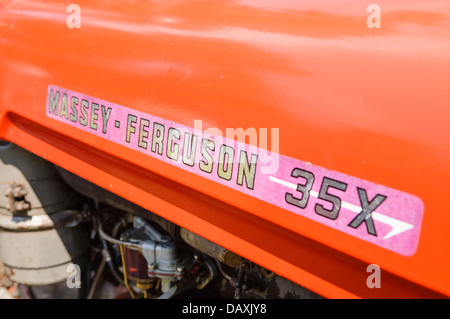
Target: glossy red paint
x,y
371,103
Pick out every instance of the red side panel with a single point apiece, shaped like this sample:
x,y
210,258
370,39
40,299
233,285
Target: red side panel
x,y
366,105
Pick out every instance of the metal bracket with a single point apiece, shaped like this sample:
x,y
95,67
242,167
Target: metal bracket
x,y
16,194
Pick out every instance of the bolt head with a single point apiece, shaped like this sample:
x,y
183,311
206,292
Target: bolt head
x,y
180,268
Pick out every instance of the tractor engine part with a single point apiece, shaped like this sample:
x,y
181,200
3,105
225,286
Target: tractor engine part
x,y
41,226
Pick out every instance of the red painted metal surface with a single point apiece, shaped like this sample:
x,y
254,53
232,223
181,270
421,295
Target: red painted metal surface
x,y
368,102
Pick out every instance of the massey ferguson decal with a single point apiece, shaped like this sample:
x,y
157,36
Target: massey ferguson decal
x,y
383,216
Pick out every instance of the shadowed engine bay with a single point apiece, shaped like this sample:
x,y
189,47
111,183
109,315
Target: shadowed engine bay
x,y
64,237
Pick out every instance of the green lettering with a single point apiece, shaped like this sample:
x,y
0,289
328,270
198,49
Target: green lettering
x,y
226,156
53,102
172,148
246,170
74,101
143,133
189,148
83,117
63,112
94,116
105,117
130,127
206,166
157,138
